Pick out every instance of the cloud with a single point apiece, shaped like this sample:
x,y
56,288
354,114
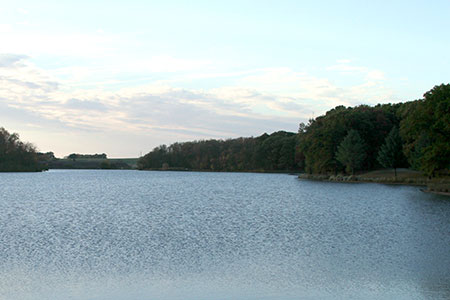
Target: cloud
x,y
11,60
5,28
344,66
79,45
375,75
85,105
43,85
347,68
166,63
21,83
263,94
255,101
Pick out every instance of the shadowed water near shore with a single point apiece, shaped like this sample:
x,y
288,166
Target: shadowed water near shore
x,y
176,235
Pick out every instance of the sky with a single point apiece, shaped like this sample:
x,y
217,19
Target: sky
x,y
122,77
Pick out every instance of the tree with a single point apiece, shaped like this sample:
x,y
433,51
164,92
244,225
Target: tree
x,y
425,129
390,154
318,140
17,156
266,152
351,151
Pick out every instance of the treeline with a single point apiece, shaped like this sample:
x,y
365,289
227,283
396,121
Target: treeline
x,y
90,163
85,161
17,156
275,152
87,156
414,134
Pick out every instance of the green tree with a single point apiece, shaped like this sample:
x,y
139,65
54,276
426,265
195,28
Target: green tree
x,y
263,153
390,154
352,151
425,129
318,140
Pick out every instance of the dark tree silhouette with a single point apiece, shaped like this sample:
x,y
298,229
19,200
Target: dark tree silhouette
x,y
16,156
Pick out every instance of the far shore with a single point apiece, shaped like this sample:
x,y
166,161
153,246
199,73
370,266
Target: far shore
x,y
174,169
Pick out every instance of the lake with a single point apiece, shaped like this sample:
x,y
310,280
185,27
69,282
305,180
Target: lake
x,y
110,234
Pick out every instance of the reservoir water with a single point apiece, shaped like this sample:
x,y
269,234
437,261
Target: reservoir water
x,y
77,234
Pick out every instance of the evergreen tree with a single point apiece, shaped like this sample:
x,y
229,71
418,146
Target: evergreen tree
x,y
390,154
352,151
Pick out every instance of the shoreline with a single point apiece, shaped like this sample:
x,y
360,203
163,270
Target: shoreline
x,y
288,172
439,186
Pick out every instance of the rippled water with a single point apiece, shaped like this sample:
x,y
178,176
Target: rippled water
x,y
176,235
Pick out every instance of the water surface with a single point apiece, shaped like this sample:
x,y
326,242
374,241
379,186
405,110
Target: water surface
x,y
76,234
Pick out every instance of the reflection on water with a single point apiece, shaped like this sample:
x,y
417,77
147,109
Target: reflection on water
x,y
175,235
